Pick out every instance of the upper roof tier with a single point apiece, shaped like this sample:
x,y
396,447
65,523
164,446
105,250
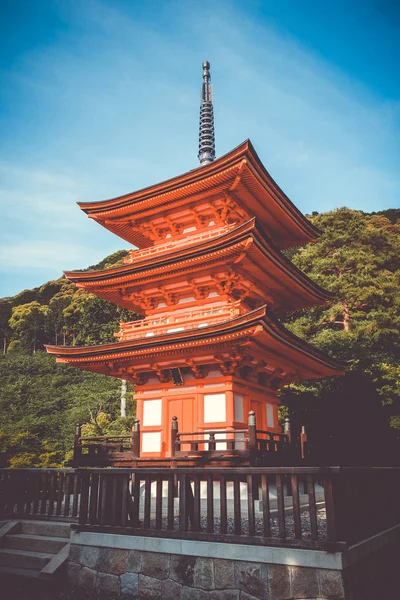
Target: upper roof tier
x,y
232,189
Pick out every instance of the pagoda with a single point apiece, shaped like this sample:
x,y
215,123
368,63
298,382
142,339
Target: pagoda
x,y
211,281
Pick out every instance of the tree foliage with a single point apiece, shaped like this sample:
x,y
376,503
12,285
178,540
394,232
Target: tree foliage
x,y
357,258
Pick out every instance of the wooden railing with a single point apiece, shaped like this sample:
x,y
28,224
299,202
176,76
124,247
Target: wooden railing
x,y
244,446
187,240
181,320
307,507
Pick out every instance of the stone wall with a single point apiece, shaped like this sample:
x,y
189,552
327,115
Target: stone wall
x,y
147,568
153,575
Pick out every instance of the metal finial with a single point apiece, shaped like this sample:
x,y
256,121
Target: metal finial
x,y
206,135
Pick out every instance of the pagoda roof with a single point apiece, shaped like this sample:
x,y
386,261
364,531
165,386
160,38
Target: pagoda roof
x,y
246,249
258,330
239,174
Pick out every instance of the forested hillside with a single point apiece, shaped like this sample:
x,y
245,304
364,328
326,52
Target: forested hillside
x,y
357,258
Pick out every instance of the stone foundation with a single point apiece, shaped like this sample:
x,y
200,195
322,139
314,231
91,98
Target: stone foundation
x,y
167,569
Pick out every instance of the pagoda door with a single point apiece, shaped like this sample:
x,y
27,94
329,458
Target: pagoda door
x,y
184,409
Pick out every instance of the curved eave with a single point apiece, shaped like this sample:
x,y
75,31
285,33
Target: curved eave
x,y
112,214
259,325
245,234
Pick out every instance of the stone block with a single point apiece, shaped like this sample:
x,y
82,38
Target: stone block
x,y
224,574
304,583
189,593
330,584
203,575
252,578
149,588
155,565
129,584
118,561
244,596
72,572
279,582
170,590
182,569
224,595
86,578
89,556
107,584
75,553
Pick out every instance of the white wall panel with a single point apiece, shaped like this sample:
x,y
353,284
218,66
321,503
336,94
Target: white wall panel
x,y
151,413
151,441
214,408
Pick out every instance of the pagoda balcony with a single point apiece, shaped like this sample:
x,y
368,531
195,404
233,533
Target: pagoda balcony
x,y
195,318
188,239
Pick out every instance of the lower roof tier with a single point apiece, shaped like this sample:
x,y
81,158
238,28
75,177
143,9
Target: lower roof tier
x,y
239,264
255,339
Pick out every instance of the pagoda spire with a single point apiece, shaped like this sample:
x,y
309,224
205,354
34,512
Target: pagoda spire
x,y
206,135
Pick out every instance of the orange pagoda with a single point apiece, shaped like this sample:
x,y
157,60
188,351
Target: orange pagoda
x,y
210,279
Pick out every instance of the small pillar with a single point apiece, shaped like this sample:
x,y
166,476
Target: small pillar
x,y
136,439
77,442
287,429
252,443
174,435
303,440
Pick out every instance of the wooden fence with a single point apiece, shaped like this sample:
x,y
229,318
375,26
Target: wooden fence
x,y
321,508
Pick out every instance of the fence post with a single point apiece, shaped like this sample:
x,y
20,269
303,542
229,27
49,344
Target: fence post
x,y
303,440
174,435
252,433
136,439
77,443
287,430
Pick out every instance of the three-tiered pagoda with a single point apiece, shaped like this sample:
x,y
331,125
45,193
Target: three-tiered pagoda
x,y
210,279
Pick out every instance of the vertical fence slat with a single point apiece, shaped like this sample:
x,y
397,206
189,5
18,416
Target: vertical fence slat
x,y
52,494
183,515
170,503
159,487
60,492
265,506
329,507
237,517
94,495
84,503
296,507
223,506
136,500
250,505
210,504
196,505
75,498
114,495
281,506
147,501
312,508
67,494
104,490
124,487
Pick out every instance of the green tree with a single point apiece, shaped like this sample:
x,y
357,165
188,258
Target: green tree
x,y
27,321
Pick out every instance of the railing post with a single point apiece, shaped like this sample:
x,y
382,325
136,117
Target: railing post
x,y
136,439
303,440
174,435
211,441
77,442
252,433
287,430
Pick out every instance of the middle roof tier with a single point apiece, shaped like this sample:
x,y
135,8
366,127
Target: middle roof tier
x,y
239,265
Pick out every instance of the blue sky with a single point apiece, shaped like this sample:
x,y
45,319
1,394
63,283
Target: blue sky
x,y
99,98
